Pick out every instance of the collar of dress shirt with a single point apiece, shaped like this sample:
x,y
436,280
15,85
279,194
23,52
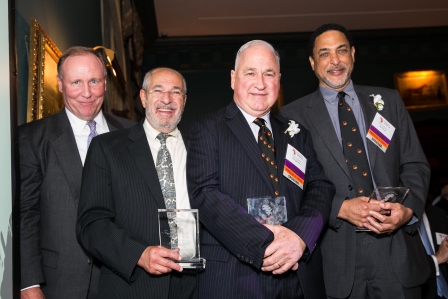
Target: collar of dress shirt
x,y
152,133
331,95
250,119
78,124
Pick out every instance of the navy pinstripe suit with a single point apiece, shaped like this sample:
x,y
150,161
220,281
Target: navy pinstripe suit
x,y
224,168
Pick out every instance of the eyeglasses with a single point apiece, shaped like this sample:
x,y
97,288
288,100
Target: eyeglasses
x,y
175,93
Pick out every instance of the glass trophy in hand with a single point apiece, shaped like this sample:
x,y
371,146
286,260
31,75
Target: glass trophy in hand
x,y
388,194
268,209
179,228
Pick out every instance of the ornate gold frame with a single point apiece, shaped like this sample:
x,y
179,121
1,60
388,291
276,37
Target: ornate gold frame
x,y
44,98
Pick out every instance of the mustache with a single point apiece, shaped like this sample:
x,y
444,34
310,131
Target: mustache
x,y
336,68
169,106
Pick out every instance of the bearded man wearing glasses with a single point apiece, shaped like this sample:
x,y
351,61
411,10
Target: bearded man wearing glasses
x,y
122,189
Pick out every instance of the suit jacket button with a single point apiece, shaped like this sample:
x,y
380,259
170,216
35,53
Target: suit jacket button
x,y
350,187
89,261
247,260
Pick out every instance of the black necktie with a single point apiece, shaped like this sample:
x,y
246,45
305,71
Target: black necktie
x,y
353,148
267,149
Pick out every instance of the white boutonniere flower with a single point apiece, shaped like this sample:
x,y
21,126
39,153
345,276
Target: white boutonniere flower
x,y
293,128
377,102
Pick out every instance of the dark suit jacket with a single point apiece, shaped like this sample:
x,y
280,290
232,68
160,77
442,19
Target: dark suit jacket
x,y
224,168
118,217
403,164
438,223
50,173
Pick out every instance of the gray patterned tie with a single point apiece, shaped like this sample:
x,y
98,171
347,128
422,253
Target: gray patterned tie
x,y
93,132
164,168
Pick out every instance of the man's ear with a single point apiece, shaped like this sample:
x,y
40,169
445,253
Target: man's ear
x,y
59,85
143,97
232,79
353,53
311,62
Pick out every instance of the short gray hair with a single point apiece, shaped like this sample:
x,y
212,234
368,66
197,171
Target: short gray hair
x,y
255,43
147,79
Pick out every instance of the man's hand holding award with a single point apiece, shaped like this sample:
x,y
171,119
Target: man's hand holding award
x,y
393,214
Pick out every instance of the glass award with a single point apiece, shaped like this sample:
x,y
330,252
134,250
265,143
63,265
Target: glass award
x,y
390,194
268,209
179,228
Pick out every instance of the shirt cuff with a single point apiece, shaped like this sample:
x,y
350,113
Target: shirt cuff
x,y
436,264
413,220
30,287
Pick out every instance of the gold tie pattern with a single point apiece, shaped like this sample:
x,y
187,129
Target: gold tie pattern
x,y
353,148
267,149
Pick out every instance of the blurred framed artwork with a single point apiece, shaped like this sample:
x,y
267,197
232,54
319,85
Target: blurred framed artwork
x,y
44,98
422,90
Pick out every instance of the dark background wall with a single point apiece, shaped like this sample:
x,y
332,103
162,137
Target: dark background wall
x,y
206,62
68,23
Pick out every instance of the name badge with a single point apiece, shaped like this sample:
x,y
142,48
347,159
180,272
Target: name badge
x,y
295,166
381,132
440,237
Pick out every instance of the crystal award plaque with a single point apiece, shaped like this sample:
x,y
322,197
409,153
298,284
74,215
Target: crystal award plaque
x,y
390,194
179,228
268,209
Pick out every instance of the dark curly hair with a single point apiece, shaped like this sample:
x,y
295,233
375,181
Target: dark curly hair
x,y
324,28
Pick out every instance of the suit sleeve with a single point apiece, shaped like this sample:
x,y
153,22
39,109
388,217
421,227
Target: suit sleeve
x,y
414,171
221,215
32,272
95,228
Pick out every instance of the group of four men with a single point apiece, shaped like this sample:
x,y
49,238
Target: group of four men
x,y
317,253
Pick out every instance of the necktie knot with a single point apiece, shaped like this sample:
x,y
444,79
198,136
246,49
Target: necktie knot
x,y
162,137
341,97
260,122
92,125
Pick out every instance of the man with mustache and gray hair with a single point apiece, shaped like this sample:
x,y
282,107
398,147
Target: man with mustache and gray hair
x,y
128,176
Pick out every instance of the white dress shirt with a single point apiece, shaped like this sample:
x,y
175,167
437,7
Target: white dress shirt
x,y
178,153
81,131
254,127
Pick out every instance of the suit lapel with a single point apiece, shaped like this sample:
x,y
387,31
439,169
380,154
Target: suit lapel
x,y
369,114
66,151
141,153
112,123
240,128
319,117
